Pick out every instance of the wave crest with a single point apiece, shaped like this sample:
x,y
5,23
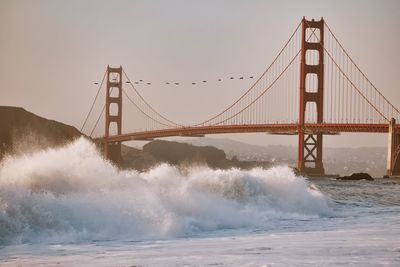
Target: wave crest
x,y
72,194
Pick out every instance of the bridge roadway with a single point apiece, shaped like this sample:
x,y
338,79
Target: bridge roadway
x,y
285,129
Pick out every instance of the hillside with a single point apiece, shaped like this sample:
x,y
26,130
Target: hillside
x,y
340,160
23,131
176,153
246,151
182,155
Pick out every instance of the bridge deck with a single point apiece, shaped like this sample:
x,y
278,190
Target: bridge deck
x,y
326,128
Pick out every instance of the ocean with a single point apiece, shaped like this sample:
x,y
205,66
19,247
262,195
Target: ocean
x,y
70,207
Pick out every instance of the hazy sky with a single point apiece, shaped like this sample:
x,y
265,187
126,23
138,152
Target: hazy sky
x,y
52,51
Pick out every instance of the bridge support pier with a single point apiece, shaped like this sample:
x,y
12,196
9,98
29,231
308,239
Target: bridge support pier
x,y
393,159
113,117
310,154
310,144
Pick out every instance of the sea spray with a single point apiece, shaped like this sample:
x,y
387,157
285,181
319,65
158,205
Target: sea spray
x,y
71,194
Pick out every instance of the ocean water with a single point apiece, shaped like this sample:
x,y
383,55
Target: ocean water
x,y
70,207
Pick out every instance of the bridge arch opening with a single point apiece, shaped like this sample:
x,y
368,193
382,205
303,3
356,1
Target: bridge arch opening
x,y
114,109
312,57
113,128
114,78
311,35
311,112
311,83
114,92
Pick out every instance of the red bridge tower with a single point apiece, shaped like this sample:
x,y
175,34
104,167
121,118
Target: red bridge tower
x,y
113,125
310,143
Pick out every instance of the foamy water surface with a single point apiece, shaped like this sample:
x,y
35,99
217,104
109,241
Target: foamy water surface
x,y
68,205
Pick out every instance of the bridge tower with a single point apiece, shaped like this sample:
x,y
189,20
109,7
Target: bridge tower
x,y
393,157
310,143
113,117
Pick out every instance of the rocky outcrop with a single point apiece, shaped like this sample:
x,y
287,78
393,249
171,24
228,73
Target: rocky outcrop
x,y
181,153
357,176
23,131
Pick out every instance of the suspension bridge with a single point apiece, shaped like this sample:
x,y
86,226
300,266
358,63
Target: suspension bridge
x,y
312,88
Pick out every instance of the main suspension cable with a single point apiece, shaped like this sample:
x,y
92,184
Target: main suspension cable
x,y
147,104
94,101
256,82
348,79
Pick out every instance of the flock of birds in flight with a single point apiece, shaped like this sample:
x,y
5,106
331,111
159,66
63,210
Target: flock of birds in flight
x,y
178,83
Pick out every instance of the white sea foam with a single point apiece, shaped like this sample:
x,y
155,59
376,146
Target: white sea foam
x,y
72,194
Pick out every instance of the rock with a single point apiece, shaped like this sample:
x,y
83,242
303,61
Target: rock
x,y
22,132
357,176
